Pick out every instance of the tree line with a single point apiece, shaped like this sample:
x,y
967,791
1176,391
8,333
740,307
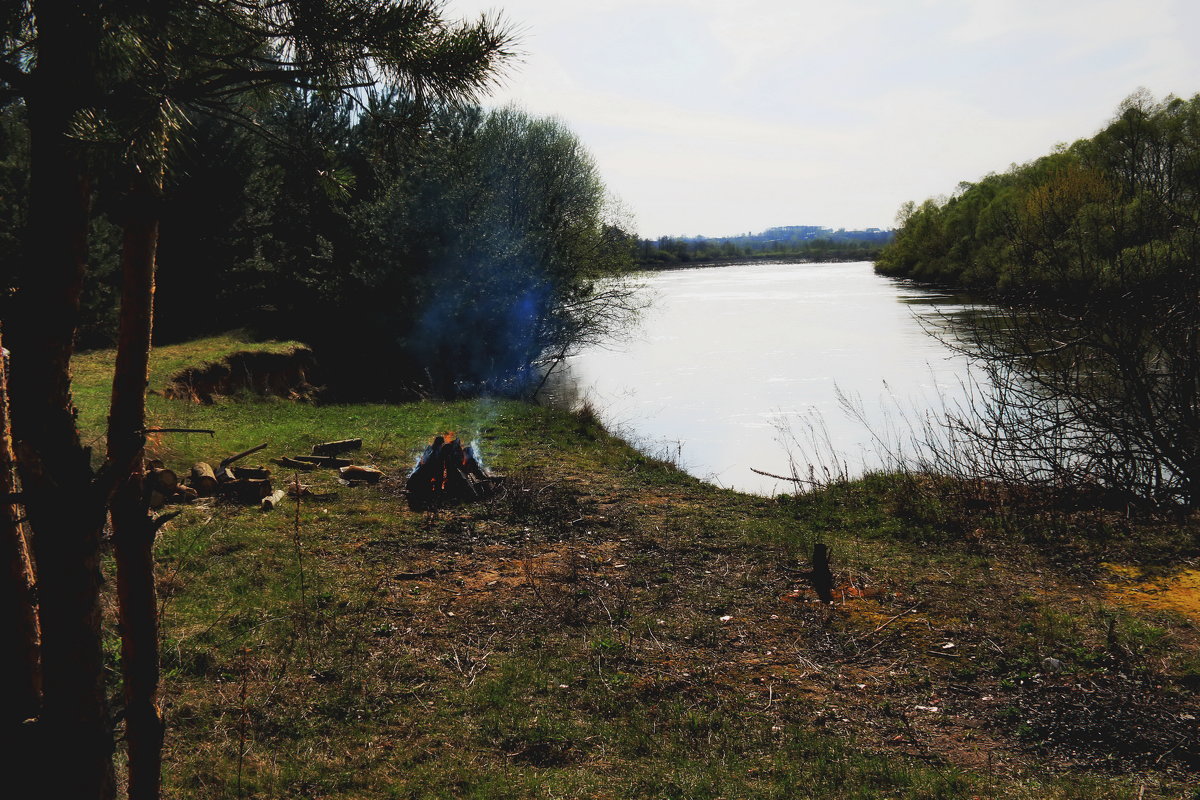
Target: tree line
x,y
1092,361
793,242
1104,213
460,247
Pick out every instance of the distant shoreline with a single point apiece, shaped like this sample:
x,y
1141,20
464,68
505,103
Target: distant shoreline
x,y
729,262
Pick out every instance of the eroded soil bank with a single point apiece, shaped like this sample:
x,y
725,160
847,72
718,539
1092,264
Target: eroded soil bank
x,y
291,374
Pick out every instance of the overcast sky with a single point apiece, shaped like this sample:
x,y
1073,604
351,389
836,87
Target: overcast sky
x,y
722,116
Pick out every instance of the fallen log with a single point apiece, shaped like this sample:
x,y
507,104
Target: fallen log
x,y
246,490
251,472
326,461
204,480
359,473
336,448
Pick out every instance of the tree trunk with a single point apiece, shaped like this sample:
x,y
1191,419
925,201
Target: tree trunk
x,y
133,529
53,465
18,611
72,743
70,748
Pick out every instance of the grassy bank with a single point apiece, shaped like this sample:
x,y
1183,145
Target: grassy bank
x,y
612,627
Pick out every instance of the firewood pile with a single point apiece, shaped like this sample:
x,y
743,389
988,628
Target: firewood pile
x,y
248,485
252,485
328,455
449,473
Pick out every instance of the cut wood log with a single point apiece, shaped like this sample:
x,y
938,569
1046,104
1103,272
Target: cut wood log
x,y
360,473
336,448
186,494
204,480
157,499
225,462
246,490
273,499
326,461
292,463
251,472
154,464
164,480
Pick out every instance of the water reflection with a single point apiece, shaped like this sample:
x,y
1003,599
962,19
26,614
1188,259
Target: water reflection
x,y
728,356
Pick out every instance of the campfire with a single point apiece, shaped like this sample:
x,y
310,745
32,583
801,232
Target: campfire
x,y
449,473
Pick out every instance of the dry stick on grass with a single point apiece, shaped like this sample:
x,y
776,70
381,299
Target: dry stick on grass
x,y
243,716
469,667
412,576
225,462
303,612
180,430
890,621
881,627
527,568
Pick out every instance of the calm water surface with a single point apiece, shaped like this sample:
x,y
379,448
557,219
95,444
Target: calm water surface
x,y
740,366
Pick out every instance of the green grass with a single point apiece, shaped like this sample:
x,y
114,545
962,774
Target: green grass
x,y
614,628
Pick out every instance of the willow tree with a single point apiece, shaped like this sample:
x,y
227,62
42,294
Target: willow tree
x,y
118,78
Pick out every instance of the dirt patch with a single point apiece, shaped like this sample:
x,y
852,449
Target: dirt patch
x,y
290,375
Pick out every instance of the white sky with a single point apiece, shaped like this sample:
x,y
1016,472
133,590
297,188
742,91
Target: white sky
x,y
722,116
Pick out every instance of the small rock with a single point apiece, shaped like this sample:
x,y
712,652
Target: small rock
x,y
1052,665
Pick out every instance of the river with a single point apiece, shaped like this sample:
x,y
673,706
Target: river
x,y
740,367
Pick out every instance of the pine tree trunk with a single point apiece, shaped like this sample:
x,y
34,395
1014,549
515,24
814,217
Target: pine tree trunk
x,y
133,529
54,465
19,659
72,740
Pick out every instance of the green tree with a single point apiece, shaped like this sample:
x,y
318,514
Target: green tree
x,y
1096,247
494,249
120,75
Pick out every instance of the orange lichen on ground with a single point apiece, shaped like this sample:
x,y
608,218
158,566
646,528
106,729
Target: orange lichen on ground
x,y
1178,592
